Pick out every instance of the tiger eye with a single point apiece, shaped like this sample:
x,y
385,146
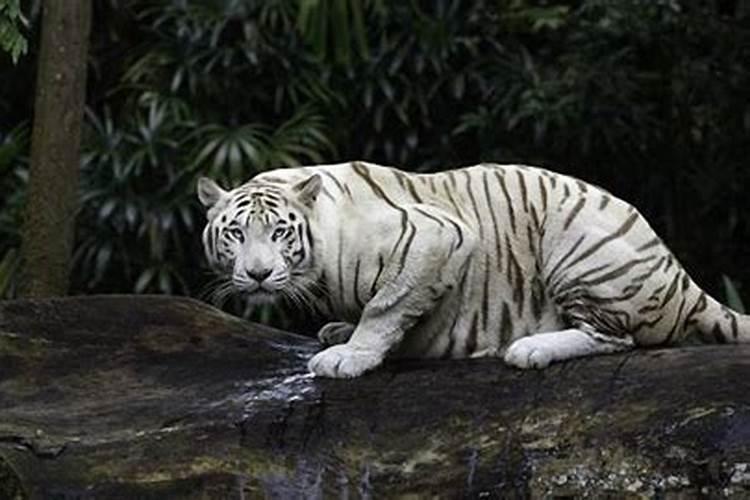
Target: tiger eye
x,y
237,234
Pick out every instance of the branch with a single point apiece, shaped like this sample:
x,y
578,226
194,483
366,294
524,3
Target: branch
x,y
169,397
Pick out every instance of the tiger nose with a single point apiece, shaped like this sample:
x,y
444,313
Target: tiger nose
x,y
259,274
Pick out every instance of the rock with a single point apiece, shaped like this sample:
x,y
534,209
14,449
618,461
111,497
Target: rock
x,y
158,397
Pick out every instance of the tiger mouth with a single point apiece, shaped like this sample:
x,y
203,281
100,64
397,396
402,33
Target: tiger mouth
x,y
258,294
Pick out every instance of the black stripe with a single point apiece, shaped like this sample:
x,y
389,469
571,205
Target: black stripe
x,y
209,239
407,245
632,292
451,338
495,225
339,259
565,257
718,334
524,193
474,205
362,172
357,298
429,216
486,297
452,178
732,322
617,272
651,243
604,202
471,339
501,181
574,212
672,290
506,325
668,262
299,254
515,276
450,198
530,233
543,193
618,233
344,189
700,305
685,282
451,341
536,221
431,180
309,239
643,324
537,298
677,321
412,190
460,234
566,193
374,283
399,177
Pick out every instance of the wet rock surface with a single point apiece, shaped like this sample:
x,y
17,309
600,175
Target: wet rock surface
x,y
156,397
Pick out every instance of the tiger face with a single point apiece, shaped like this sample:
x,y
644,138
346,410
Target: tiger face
x,y
259,237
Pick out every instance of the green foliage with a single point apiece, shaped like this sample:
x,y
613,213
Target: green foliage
x,y
648,98
13,177
11,39
732,295
331,27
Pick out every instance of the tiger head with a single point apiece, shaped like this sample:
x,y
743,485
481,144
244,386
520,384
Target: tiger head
x,y
260,237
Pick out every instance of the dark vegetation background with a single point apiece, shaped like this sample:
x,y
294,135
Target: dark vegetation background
x,y
647,98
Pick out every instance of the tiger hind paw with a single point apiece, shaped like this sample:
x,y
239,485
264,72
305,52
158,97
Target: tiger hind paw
x,y
529,352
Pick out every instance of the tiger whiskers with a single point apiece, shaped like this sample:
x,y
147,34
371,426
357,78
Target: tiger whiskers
x,y
299,297
219,290
305,292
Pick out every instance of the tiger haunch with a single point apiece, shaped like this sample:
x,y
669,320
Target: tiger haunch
x,y
505,260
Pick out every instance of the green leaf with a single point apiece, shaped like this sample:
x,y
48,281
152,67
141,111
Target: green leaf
x,y
8,267
732,295
11,39
144,280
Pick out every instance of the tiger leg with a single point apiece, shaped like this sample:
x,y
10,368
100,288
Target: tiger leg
x,y
541,349
430,257
336,332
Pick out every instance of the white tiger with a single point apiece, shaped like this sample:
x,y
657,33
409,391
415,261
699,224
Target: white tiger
x,y
489,260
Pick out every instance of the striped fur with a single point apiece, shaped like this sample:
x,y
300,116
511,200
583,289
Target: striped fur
x,y
504,260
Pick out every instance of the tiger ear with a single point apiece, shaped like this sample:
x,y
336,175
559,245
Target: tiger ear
x,y
209,193
308,190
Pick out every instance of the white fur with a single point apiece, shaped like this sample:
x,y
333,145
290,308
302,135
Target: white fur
x,y
343,361
336,332
467,263
538,351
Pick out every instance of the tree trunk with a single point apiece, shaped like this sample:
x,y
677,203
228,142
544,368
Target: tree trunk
x,y
158,397
55,148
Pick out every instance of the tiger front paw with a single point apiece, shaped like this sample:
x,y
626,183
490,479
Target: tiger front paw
x,y
529,352
335,333
343,361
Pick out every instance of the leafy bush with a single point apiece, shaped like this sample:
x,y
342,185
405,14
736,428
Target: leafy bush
x,y
13,176
647,98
